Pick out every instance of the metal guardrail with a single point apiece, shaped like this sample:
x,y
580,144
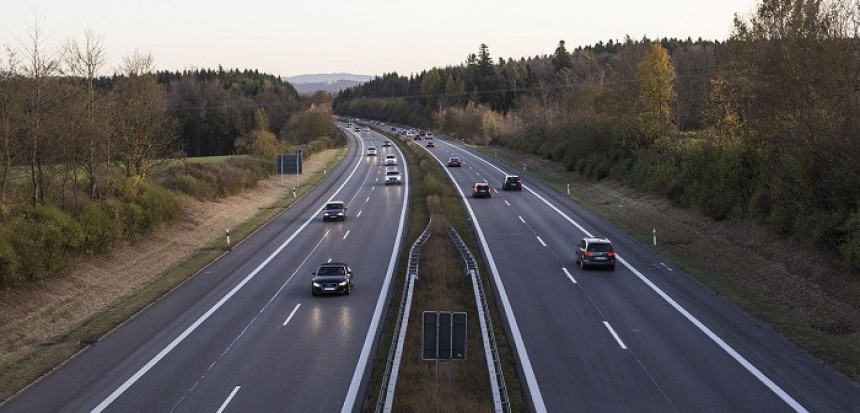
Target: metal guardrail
x,y
384,400
494,365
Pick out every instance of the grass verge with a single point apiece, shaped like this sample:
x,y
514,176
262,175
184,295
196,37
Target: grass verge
x,y
18,374
440,264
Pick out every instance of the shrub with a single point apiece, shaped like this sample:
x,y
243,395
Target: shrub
x,y
99,228
10,263
157,204
43,238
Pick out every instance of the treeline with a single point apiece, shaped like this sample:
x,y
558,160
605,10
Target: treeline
x,y
765,125
84,157
212,108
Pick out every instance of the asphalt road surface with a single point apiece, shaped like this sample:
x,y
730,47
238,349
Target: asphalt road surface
x,y
644,337
245,334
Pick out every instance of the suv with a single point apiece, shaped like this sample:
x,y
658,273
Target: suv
x,y
481,190
390,160
512,182
371,151
595,252
332,278
393,177
334,210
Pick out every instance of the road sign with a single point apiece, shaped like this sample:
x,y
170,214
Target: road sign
x,y
444,335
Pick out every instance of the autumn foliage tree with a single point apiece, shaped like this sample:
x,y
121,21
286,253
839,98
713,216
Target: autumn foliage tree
x,y
657,75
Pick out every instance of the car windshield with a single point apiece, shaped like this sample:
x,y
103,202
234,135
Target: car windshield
x,y
331,271
334,206
600,247
392,173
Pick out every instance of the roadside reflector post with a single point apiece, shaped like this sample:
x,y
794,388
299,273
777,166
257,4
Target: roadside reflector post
x,y
568,189
654,235
228,238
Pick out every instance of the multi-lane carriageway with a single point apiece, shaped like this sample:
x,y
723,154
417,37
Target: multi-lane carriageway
x,y
245,334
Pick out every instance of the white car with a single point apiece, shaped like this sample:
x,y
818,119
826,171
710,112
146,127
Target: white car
x,y
390,160
393,177
371,151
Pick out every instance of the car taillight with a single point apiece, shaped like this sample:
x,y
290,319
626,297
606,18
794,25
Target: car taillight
x,y
589,254
610,253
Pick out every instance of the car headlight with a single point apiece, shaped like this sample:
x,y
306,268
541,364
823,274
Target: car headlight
x,y
317,285
343,283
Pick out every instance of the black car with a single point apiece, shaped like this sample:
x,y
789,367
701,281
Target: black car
x,y
512,182
481,190
454,162
332,278
334,210
595,252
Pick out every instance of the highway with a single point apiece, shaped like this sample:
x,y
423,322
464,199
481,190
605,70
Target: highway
x,y
644,337
245,334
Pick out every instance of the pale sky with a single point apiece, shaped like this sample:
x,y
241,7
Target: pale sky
x,y
368,37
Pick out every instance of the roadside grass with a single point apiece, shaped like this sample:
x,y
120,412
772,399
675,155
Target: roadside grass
x,y
18,374
809,299
441,281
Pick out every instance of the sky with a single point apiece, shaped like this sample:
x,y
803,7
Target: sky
x,y
368,37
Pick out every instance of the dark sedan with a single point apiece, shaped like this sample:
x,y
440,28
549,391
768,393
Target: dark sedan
x,y
332,278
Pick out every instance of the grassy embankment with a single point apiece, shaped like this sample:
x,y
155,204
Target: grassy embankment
x,y
811,299
19,373
442,286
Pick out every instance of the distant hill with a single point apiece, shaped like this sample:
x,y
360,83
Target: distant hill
x,y
331,82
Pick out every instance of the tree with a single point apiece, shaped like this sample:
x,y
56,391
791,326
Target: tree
x,y
656,95
40,69
561,58
11,113
84,61
260,142
142,130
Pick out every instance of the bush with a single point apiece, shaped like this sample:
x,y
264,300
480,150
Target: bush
x,y
10,263
99,228
158,205
43,238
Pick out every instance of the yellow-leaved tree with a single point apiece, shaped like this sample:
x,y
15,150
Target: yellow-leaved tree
x,y
656,94
260,142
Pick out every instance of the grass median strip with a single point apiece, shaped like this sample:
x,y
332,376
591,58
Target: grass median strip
x,y
443,286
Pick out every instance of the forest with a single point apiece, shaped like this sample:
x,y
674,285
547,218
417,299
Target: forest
x,y
88,161
764,125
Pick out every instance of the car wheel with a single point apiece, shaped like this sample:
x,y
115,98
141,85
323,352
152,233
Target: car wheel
x,y
348,290
582,265
612,267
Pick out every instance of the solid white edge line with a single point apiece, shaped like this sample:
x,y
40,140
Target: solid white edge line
x,y
519,345
352,393
713,336
292,313
569,275
152,362
541,241
230,397
618,339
